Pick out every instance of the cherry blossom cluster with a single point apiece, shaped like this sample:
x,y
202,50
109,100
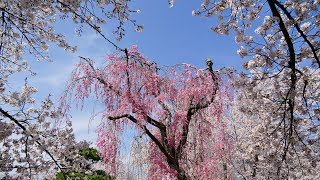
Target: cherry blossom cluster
x,y
259,129
28,27
34,141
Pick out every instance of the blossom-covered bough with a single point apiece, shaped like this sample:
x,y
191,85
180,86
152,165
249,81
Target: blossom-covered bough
x,y
30,142
280,90
178,109
28,26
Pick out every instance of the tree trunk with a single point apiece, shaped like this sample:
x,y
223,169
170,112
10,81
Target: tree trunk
x,y
174,164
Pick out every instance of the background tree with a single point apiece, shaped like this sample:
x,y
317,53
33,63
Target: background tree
x,y
257,135
170,107
280,87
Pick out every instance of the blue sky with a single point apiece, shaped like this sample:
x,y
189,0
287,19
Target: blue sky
x,y
170,36
173,35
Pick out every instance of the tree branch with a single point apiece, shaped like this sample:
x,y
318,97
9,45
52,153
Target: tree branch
x,y
91,25
293,77
152,137
299,30
6,114
195,108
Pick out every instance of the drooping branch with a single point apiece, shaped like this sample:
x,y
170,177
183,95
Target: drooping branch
x,y
100,79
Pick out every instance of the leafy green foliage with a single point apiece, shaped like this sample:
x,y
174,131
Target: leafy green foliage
x,y
90,153
81,175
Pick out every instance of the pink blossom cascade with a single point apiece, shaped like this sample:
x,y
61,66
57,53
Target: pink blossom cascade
x,y
133,85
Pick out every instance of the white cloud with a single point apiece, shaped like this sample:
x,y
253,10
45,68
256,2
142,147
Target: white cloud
x,y
52,78
84,127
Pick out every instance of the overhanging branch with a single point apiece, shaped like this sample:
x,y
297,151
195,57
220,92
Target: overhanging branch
x,y
299,30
